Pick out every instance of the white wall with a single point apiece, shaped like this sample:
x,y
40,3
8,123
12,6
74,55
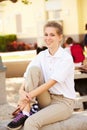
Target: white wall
x,y
33,17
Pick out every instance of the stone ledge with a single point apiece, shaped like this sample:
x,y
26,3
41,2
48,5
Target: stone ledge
x,y
17,66
78,121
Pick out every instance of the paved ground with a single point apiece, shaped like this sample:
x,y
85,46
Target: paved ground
x,y
12,87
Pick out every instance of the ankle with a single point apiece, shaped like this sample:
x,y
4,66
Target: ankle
x,y
26,113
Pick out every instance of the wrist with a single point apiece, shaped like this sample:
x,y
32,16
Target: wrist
x,y
29,96
31,99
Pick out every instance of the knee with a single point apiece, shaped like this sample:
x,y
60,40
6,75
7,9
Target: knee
x,y
30,123
27,124
34,69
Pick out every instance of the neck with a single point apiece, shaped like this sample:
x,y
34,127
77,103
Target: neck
x,y
52,51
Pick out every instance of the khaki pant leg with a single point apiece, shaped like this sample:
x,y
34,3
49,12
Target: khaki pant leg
x,y
60,109
35,79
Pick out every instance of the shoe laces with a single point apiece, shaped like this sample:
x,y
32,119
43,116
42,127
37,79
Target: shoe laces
x,y
34,109
18,117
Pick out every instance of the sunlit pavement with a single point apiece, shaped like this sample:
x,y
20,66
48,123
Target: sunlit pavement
x,y
12,88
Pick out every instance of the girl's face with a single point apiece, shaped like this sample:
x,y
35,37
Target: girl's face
x,y
51,37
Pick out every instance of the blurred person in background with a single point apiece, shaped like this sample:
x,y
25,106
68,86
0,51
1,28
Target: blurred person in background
x,y
76,50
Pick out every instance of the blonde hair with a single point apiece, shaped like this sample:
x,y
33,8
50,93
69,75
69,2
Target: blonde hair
x,y
56,25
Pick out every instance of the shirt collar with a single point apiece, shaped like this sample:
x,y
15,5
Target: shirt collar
x,y
57,54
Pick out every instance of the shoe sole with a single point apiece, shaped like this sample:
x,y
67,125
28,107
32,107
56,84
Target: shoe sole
x,y
14,128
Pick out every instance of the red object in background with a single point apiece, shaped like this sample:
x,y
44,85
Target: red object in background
x,y
77,53
21,46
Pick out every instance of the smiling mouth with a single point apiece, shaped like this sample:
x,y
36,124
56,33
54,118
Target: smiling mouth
x,y
48,44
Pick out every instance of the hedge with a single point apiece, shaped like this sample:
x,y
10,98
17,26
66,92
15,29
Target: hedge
x,y
5,40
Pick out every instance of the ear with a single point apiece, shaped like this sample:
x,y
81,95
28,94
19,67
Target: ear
x,y
60,37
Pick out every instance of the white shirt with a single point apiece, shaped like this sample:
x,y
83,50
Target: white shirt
x,y
68,49
59,67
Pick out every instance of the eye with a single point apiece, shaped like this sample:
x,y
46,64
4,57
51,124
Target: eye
x,y
45,34
52,34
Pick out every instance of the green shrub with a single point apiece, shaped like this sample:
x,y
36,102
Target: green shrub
x,y
5,40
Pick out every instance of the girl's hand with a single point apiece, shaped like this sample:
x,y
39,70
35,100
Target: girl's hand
x,y
23,99
22,104
23,95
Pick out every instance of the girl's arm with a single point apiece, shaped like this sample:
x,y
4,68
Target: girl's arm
x,y
42,88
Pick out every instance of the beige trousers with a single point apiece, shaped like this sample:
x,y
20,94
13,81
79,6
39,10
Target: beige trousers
x,y
54,108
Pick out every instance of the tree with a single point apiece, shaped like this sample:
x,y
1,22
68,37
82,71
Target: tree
x,y
10,0
24,1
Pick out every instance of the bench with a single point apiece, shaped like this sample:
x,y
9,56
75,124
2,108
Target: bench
x,y
17,62
78,120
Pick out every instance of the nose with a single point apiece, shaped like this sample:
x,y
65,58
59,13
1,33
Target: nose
x,y
48,37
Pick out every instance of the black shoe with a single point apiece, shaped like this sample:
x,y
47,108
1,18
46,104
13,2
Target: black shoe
x,y
17,122
34,109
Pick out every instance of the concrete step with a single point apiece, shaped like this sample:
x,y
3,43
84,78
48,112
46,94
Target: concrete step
x,y
78,121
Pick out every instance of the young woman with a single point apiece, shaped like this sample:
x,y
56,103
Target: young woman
x,y
49,79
